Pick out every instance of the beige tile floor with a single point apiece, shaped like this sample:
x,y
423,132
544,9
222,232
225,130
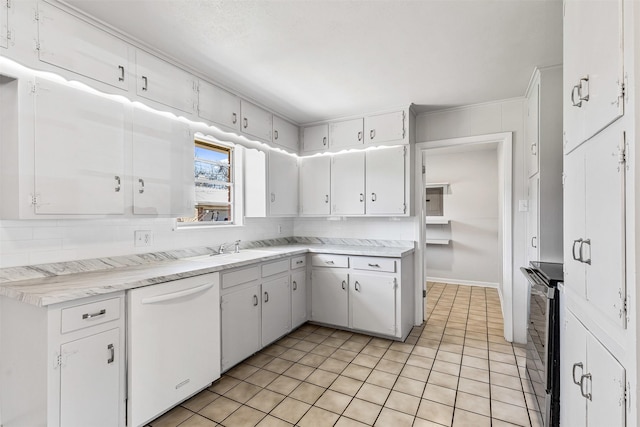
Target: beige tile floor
x,y
454,370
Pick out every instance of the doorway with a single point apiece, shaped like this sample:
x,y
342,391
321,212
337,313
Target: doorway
x,y
502,144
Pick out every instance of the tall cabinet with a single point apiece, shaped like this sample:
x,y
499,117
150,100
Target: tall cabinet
x,y
599,334
543,144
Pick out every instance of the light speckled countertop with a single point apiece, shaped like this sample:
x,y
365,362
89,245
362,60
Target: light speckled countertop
x,y
40,287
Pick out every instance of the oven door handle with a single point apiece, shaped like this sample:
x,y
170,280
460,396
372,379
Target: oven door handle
x,y
573,372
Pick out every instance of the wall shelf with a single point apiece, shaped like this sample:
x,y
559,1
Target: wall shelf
x,y
436,220
438,241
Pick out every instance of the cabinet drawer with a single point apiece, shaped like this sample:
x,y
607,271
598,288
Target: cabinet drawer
x,y
86,315
275,267
327,260
298,262
374,264
238,277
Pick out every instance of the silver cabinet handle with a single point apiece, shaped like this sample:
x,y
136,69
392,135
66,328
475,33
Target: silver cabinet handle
x,y
117,189
534,241
356,286
299,262
266,296
373,197
573,372
141,181
273,197
361,197
372,133
582,385
344,285
374,265
326,198
360,136
324,140
245,123
582,84
533,149
255,300
234,118
582,258
112,354
121,78
329,262
295,286
144,83
94,315
576,90
573,250
275,134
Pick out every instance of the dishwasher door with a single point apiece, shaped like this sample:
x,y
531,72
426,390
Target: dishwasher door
x,y
173,344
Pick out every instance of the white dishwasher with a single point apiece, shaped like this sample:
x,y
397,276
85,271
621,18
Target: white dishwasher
x,y
173,344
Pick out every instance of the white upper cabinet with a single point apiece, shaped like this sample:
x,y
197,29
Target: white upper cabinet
x,y
79,152
593,68
163,176
385,181
283,184
348,133
256,121
315,182
218,106
315,138
285,134
4,24
70,43
347,184
255,183
385,127
165,83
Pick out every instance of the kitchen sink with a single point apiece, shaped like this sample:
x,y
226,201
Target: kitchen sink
x,y
245,255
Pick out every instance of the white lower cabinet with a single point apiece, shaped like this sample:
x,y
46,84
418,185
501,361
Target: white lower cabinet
x,y
298,298
330,296
74,352
593,382
372,303
276,309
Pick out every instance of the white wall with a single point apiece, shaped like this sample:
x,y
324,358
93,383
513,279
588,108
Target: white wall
x,y
471,206
494,117
42,241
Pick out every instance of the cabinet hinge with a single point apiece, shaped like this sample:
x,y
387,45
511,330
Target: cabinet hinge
x,y
424,293
36,15
37,45
8,4
34,200
622,152
424,170
404,208
57,361
627,397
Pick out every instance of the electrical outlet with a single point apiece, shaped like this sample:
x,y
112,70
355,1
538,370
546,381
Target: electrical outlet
x,y
143,238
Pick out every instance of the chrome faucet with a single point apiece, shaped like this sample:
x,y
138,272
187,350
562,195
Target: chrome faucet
x,y
223,246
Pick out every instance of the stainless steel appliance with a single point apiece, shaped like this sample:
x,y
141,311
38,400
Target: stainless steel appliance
x,y
543,344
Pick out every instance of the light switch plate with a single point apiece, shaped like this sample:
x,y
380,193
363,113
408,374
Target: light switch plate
x,y
143,238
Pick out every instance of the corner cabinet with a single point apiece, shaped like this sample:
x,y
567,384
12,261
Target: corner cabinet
x,y
75,353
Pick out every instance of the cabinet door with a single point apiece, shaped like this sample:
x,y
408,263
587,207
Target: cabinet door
x,y
90,381
347,184
330,296
316,185
283,184
79,152
4,24
298,298
532,220
162,165
372,303
70,43
256,121
218,105
384,127
348,133
604,225
276,309
255,183
573,221
607,386
532,129
315,138
385,181
573,410
241,335
165,83
593,75
285,134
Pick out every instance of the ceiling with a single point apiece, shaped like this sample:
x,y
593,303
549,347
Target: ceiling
x,y
311,60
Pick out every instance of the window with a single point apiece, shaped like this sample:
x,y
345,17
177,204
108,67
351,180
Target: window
x,y
213,184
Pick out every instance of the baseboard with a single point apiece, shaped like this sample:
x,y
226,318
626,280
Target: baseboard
x,y
464,282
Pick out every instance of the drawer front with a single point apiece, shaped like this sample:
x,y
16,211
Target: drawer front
x,y
239,277
298,262
275,268
374,264
327,260
86,315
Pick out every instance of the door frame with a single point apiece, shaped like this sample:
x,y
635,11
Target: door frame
x,y
504,141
